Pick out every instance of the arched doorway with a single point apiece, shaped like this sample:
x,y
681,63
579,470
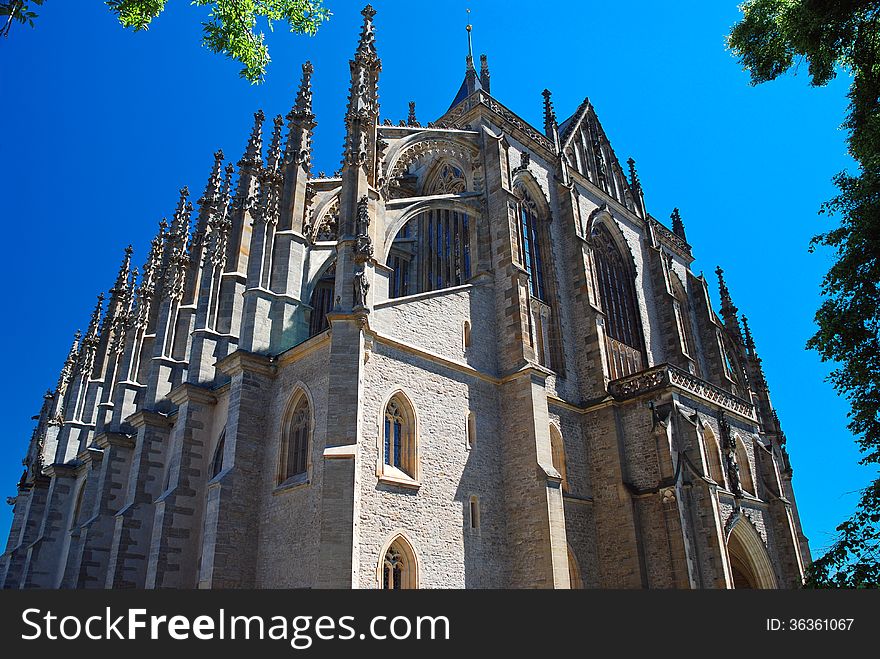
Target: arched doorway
x,y
750,566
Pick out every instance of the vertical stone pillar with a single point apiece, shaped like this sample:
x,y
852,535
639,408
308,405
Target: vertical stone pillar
x,y
30,521
533,487
177,526
133,528
110,474
231,529
337,562
43,563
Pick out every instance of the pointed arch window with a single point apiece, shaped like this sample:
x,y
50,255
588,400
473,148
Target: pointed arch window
x,y
557,447
322,301
432,251
532,248
398,569
616,287
398,461
294,462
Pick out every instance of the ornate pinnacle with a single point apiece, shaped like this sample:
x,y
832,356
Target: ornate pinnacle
x,y
67,369
227,185
180,223
634,180
677,224
212,189
253,154
95,322
549,113
484,73
411,120
301,122
302,108
274,156
728,309
366,49
122,279
747,336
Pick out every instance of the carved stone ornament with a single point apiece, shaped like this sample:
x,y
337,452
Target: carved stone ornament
x,y
361,288
363,244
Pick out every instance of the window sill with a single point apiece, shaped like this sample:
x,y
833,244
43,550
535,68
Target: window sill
x,y
292,483
393,476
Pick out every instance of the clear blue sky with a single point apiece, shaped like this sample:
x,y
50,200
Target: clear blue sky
x,y
103,126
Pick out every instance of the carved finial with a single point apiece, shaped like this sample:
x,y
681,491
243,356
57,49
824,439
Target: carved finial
x,y
253,154
677,224
180,223
411,120
485,78
274,156
549,113
122,279
301,123
303,105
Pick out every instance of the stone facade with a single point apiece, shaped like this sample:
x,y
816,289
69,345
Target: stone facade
x,y
571,410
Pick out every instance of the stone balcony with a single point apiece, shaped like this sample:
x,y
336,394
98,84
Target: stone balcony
x,y
667,376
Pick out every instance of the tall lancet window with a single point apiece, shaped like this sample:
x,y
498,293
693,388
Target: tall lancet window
x,y
295,441
398,568
432,251
615,278
398,459
533,258
322,301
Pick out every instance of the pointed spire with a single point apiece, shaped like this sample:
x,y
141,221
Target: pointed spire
x,y
549,114
485,78
728,309
634,175
122,279
301,123
470,55
178,243
253,154
367,44
677,224
411,120
180,223
212,189
95,322
362,115
226,194
274,156
747,336
67,369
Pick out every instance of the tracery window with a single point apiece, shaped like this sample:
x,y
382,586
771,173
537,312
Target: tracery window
x,y
614,276
295,442
399,458
398,568
432,251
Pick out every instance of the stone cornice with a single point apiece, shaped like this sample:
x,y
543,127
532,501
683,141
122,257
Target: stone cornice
x,y
108,439
58,470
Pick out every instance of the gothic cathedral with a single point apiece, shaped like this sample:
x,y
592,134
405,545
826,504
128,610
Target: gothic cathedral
x,y
469,359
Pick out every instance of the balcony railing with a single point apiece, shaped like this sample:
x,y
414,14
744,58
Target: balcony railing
x,y
666,375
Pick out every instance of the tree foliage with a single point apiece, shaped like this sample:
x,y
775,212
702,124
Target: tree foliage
x,y
230,28
17,11
834,36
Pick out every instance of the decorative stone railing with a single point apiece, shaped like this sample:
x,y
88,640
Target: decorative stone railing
x,y
666,375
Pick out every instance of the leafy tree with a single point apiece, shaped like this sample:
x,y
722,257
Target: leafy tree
x,y
17,11
229,30
833,36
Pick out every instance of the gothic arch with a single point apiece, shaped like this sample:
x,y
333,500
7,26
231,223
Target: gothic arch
x,y
300,395
747,557
398,550
557,449
576,581
434,177
408,472
746,477
713,456
469,206
321,294
525,180
425,145
327,211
